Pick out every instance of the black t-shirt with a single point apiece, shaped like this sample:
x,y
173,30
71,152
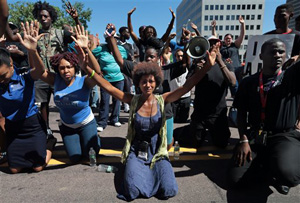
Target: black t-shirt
x,y
283,99
232,52
173,70
210,94
296,45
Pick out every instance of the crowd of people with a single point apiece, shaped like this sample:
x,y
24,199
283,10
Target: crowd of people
x,y
153,78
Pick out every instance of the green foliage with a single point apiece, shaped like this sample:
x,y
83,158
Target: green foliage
x,y
21,11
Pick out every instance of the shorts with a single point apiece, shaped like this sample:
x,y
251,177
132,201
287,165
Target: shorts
x,y
43,91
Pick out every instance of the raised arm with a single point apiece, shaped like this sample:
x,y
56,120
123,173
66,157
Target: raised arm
x,y
31,37
170,27
72,12
195,28
115,92
228,75
213,28
193,80
3,16
130,29
112,43
240,39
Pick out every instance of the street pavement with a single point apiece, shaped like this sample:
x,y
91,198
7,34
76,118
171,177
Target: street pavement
x,y
200,174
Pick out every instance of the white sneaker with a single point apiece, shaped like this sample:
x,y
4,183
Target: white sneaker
x,y
126,108
117,124
99,129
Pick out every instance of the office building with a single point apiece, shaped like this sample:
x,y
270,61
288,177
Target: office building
x,y
296,5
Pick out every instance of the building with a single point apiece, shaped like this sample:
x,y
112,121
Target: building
x,y
296,5
226,13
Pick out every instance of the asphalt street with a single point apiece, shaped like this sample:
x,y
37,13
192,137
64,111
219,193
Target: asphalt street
x,y
200,174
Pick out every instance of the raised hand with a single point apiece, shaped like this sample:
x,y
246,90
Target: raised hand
x,y
131,11
110,30
71,10
241,20
82,37
31,35
213,23
172,35
194,26
172,12
2,41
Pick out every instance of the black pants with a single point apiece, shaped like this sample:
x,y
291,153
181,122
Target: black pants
x,y
216,125
181,110
280,159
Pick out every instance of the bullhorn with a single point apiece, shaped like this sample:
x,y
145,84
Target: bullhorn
x,y
197,47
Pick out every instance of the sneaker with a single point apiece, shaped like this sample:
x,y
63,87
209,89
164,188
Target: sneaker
x,y
117,124
100,129
126,108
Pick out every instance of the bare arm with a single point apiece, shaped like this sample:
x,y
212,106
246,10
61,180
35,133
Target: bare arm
x,y
228,75
192,81
240,39
72,12
3,16
195,28
111,41
213,28
170,27
130,29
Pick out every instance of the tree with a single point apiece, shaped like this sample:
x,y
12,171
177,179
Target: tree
x,y
21,11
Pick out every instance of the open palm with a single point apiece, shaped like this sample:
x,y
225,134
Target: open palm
x,y
31,35
82,38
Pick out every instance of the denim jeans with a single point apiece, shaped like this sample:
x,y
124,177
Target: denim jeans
x,y
94,97
78,141
104,106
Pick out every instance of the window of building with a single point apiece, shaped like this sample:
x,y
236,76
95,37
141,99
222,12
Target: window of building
x,y
243,7
243,16
206,7
217,7
216,17
233,7
235,37
237,27
206,28
220,37
217,27
247,17
238,7
232,17
252,17
222,7
211,7
251,27
227,17
211,17
237,17
232,27
228,7
260,6
245,46
227,27
258,17
253,6
221,17
246,37
248,6
247,27
258,27
205,17
220,27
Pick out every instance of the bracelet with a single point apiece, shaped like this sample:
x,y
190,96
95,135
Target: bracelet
x,y
93,73
243,141
223,67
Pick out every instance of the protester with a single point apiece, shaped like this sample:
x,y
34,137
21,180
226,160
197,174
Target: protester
x,y
270,148
71,95
3,16
25,129
148,171
210,109
112,73
171,71
149,36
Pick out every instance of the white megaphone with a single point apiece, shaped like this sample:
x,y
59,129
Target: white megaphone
x,y
197,47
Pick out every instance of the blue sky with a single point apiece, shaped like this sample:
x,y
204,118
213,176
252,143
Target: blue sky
x,y
148,12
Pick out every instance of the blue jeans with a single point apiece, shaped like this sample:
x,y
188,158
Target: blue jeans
x,y
94,97
104,106
78,141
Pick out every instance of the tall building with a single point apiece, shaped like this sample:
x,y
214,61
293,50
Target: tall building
x,y
296,5
226,13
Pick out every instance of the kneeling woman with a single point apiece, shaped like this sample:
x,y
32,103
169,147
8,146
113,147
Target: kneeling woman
x,y
71,95
148,171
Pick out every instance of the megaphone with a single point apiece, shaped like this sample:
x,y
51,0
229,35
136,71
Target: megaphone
x,y
197,47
